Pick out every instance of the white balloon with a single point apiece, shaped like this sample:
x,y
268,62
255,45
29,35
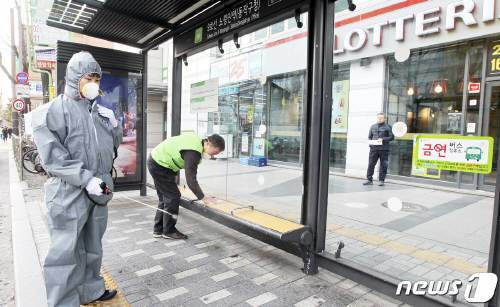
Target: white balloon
x,y
399,129
402,54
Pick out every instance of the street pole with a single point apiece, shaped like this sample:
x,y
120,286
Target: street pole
x,y
23,63
15,115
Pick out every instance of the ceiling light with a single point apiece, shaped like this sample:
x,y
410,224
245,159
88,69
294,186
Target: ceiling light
x,y
191,9
150,35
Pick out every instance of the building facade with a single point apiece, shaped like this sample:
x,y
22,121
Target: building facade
x,y
428,64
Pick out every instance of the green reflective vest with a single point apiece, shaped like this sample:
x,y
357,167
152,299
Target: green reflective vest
x,y
168,152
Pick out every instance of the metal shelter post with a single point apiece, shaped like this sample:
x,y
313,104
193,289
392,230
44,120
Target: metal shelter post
x,y
144,124
494,261
176,95
318,117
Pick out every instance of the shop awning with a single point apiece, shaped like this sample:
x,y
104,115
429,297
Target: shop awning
x,y
139,24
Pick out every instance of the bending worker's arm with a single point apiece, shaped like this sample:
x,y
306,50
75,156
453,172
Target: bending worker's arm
x,y
49,133
191,159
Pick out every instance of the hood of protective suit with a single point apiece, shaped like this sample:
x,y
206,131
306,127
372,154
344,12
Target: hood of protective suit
x,y
80,64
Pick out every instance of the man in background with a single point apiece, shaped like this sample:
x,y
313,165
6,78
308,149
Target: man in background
x,y
380,134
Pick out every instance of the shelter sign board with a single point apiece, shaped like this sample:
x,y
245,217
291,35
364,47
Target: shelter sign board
x,y
243,14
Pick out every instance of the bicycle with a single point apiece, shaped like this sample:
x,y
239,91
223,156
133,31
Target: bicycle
x,y
31,161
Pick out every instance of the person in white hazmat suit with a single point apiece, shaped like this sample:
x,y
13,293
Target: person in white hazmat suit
x,y
76,140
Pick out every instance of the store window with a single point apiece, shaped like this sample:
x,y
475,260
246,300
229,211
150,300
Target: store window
x,y
256,105
285,122
473,100
409,231
261,34
340,6
340,116
277,28
426,93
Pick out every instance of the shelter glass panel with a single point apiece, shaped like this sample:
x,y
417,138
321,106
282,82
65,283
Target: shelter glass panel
x,y
253,97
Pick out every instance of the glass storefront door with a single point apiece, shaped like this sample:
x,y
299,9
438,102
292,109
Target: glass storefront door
x,y
492,128
285,133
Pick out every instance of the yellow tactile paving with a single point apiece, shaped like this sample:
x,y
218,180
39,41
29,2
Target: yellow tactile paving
x,y
350,232
456,264
118,301
333,227
431,256
372,239
399,247
465,266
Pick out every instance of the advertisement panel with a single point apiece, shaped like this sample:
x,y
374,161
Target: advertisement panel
x,y
45,58
340,106
473,154
36,89
120,95
121,84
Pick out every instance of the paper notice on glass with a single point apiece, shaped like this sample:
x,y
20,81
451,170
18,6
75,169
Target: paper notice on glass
x,y
374,142
244,143
471,127
205,96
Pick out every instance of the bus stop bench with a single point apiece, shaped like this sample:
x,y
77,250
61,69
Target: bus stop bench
x,y
258,224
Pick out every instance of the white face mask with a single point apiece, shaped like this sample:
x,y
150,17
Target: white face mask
x,y
90,90
206,156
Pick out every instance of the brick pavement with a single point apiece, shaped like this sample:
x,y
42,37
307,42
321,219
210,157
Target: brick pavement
x,y
216,266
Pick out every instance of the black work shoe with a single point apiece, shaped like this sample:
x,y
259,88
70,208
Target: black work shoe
x,y
381,184
177,235
368,182
156,234
106,296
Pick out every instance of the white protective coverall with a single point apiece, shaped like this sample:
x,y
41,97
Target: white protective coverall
x,y
75,144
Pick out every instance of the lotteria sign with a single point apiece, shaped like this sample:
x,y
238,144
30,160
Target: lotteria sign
x,y
390,25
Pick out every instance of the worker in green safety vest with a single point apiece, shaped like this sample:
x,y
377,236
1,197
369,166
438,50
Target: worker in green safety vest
x,y
175,153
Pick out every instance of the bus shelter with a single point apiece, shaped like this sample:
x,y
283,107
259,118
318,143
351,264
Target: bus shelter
x,y
221,26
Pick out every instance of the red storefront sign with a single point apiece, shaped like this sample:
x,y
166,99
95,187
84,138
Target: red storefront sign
x,y
474,88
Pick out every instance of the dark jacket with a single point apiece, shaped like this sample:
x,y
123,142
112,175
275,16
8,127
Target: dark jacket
x,y
381,131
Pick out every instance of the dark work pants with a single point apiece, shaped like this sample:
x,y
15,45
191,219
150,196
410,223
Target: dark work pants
x,y
168,197
375,155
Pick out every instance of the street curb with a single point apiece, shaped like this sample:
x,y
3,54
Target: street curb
x,y
29,283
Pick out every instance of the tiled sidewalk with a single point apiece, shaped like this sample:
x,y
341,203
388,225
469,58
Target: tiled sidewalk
x,y
216,266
